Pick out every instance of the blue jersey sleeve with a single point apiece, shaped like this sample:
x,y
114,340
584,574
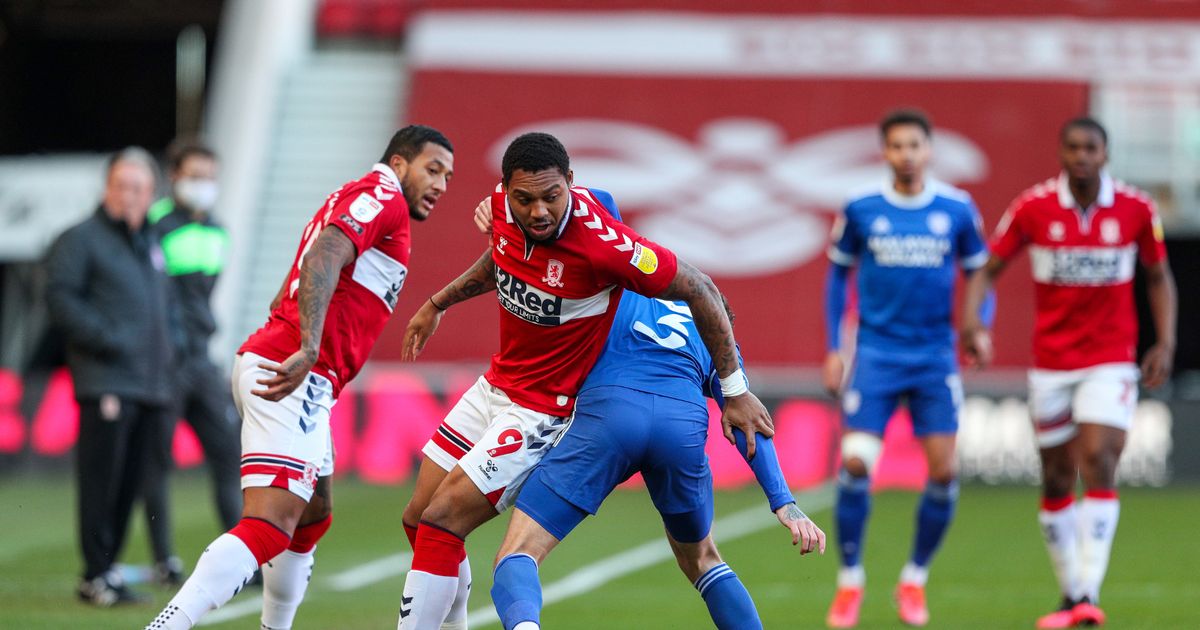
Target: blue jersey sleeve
x,y
845,244
766,469
972,249
606,199
835,305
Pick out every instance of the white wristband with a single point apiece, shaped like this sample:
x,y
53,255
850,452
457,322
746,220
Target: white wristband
x,y
735,384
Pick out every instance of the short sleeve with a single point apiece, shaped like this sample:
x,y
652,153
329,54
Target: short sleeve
x,y
628,259
1151,247
365,219
1010,236
844,242
972,250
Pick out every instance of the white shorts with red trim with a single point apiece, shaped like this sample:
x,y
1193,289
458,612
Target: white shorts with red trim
x,y
496,441
285,444
1059,400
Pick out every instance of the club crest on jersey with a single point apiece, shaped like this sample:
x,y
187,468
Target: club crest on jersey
x,y
366,208
644,259
881,225
1057,231
1110,231
939,223
554,273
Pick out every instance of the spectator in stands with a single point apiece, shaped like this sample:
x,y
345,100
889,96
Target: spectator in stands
x,y
107,293
194,247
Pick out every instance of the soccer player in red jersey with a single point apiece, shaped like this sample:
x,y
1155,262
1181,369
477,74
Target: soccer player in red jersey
x,y
558,263
339,293
1085,232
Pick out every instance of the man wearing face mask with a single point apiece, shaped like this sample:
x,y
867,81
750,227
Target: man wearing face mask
x,y
194,246
107,294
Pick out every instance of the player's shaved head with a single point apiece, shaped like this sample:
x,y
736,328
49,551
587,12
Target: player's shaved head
x,y
411,140
1086,123
900,117
533,152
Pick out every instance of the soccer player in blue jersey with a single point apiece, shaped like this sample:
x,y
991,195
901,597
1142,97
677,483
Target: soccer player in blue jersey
x,y
905,237
642,409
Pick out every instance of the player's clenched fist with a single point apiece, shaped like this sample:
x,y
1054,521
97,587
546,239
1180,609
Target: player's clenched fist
x,y
804,532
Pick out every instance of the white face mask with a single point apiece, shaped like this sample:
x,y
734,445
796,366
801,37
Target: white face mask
x,y
197,194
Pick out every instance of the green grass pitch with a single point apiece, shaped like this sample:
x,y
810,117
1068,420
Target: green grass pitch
x,y
991,573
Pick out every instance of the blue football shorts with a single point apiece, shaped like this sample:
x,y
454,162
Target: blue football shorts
x,y
929,384
618,432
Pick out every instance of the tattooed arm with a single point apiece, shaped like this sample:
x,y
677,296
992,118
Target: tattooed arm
x,y
743,411
804,532
479,279
319,273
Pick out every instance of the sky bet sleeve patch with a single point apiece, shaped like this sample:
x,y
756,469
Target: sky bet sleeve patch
x,y
644,259
366,208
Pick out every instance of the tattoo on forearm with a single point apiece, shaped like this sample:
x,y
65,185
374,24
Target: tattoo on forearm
x,y
480,278
709,314
793,513
318,278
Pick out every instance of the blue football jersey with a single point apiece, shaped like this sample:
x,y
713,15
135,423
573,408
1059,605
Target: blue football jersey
x,y
906,250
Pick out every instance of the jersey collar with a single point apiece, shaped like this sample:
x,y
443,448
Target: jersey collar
x,y
910,202
387,173
1105,199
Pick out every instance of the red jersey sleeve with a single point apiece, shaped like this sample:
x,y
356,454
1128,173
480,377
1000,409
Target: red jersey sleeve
x,y
1151,248
365,219
627,259
1010,236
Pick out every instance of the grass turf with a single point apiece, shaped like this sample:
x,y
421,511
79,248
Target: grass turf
x,y
991,573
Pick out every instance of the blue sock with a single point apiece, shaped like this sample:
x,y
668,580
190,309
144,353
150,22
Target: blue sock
x,y
516,591
728,602
853,508
933,518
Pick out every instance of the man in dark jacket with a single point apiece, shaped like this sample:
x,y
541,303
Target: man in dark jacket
x,y
107,293
194,246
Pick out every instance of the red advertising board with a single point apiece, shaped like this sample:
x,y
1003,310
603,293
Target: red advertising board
x,y
740,171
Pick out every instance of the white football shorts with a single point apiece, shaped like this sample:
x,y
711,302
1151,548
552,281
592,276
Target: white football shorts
x,y
285,444
1061,399
496,441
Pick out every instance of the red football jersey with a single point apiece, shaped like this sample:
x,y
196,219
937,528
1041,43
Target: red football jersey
x,y
557,299
1083,263
372,212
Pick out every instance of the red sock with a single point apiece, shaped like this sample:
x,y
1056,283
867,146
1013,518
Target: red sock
x,y
1057,503
1101,493
437,551
306,536
411,532
263,539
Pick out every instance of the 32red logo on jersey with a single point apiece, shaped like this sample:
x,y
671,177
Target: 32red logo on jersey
x,y
510,441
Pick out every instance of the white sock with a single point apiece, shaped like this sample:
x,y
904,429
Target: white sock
x,y
852,577
427,600
1097,527
1058,530
285,578
913,574
457,619
222,570
527,625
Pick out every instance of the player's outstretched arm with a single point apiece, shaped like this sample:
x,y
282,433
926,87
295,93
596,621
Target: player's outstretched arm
x,y
1160,288
742,409
480,278
319,272
974,335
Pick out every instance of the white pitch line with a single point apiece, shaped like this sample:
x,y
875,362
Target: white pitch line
x,y
592,576
349,580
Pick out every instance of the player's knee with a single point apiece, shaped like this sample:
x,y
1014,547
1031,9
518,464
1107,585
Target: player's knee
x,y
942,472
860,452
1099,467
